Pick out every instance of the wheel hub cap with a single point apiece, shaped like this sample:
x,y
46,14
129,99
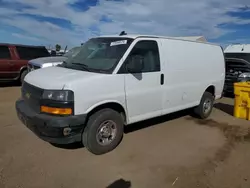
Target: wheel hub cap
x,y
207,106
106,132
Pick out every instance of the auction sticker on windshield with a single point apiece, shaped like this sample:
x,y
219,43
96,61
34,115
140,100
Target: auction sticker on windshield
x,y
118,42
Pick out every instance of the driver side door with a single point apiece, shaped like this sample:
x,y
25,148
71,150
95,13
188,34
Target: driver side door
x,y
143,89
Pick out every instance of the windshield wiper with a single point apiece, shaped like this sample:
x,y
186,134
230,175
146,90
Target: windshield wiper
x,y
83,66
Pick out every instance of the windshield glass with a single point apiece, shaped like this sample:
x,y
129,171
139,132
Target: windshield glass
x,y
99,54
244,56
72,52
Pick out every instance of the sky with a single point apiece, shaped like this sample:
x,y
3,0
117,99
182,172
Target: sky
x,y
71,22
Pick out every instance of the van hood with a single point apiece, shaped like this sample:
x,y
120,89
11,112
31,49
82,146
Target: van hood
x,y
56,77
43,60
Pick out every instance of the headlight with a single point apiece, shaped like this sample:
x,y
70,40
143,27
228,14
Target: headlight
x,y
45,65
245,75
59,95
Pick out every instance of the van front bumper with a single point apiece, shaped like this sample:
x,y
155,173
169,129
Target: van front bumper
x,y
53,129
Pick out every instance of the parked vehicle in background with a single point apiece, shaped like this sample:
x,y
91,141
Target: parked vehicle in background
x,y
51,61
53,52
237,65
14,59
119,80
61,52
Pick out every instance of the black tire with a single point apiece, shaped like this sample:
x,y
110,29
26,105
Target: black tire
x,y
202,111
90,133
23,74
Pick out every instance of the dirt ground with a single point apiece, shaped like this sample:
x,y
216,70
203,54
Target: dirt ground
x,y
173,151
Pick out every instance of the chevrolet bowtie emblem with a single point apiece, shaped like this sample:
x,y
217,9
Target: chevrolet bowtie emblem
x,y
27,95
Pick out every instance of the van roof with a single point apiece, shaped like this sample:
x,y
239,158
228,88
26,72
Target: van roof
x,y
198,39
238,48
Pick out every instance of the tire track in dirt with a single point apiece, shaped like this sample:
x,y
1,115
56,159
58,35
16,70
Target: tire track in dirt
x,y
233,133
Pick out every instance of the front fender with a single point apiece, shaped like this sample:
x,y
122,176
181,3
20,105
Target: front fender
x,y
103,103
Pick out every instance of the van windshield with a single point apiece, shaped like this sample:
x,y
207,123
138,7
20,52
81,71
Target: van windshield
x,y
99,55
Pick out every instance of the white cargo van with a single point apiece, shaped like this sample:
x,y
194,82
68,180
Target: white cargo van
x,y
119,80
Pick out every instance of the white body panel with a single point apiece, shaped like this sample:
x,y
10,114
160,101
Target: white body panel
x,y
95,91
189,69
56,77
143,96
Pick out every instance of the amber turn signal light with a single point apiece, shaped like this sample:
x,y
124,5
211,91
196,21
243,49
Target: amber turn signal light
x,y
56,111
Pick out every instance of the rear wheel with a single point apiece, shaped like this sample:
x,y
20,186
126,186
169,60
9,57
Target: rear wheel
x,y
103,132
205,107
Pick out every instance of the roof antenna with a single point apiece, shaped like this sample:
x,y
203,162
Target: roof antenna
x,y
123,33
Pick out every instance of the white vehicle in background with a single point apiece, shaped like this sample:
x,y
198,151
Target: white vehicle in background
x,y
52,60
237,65
119,80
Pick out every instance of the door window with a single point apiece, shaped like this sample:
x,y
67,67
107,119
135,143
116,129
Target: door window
x,y
28,53
4,52
150,53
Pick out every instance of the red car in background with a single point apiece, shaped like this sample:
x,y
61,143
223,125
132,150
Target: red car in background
x,y
14,59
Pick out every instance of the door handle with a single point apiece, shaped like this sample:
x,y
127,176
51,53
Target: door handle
x,y
162,79
11,63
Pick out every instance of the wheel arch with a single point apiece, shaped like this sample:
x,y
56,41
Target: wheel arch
x,y
211,89
114,105
23,68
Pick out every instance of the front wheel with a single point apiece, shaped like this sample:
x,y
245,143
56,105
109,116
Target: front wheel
x,y
103,132
23,74
205,107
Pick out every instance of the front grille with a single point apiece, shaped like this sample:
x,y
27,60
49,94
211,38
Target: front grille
x,y
32,96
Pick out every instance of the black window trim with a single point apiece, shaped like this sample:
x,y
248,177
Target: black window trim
x,y
122,69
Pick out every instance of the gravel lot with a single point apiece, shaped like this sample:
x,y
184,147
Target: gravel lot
x,y
173,151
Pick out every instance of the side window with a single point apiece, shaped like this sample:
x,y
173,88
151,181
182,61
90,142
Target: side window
x,y
150,53
4,52
28,53
23,52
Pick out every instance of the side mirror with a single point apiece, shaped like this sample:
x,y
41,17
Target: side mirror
x,y
135,64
